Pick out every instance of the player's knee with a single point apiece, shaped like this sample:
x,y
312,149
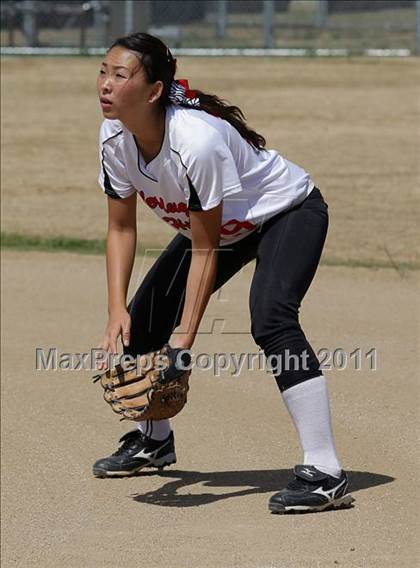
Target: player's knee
x,y
273,321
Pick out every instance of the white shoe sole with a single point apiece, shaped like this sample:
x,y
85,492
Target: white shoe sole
x,y
160,463
342,503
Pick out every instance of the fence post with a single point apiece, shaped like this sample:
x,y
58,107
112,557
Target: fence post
x,y
85,9
11,20
30,28
321,14
100,24
269,24
129,17
418,27
221,19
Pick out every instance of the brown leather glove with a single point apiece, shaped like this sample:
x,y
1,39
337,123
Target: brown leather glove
x,y
154,389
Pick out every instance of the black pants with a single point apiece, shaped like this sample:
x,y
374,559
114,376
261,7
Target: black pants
x,y
287,249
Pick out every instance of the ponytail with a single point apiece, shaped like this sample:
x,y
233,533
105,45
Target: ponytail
x,y
232,114
160,65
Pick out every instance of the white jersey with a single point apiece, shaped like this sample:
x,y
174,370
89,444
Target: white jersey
x,y
203,160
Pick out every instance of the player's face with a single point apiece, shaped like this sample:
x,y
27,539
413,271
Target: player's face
x,y
122,85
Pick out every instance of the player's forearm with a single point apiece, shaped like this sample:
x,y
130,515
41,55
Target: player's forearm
x,y
200,284
120,253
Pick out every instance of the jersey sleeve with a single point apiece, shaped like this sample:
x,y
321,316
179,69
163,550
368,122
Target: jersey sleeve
x,y
211,173
112,173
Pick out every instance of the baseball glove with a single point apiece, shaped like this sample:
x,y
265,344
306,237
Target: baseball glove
x,y
153,388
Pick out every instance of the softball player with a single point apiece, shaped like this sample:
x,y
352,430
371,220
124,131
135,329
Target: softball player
x,y
193,160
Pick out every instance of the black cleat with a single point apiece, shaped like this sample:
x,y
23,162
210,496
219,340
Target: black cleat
x,y
311,491
136,452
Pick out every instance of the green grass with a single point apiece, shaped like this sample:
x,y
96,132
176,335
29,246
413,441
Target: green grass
x,y
401,267
52,244
20,242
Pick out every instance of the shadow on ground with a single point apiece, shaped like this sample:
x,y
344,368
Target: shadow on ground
x,y
175,493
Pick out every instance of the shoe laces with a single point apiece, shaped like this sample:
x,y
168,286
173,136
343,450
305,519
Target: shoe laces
x,y
129,440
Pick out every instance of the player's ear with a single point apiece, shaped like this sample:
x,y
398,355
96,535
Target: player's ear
x,y
156,92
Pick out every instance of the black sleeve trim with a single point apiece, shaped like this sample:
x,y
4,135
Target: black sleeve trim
x,y
109,190
108,187
194,203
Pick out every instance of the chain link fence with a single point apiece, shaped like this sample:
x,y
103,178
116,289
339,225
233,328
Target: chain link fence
x,y
330,27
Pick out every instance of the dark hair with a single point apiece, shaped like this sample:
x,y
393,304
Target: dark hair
x,y
160,65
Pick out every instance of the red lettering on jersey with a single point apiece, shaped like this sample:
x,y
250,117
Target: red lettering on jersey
x,y
151,202
229,228
177,223
234,226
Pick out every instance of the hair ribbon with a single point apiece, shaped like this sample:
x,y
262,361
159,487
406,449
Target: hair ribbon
x,y
181,94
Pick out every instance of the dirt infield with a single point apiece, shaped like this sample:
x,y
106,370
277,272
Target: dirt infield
x,y
235,442
352,123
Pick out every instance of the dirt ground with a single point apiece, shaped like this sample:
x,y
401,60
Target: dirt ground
x,y
353,124
235,442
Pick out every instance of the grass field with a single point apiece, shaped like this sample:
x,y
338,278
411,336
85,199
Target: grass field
x,y
353,124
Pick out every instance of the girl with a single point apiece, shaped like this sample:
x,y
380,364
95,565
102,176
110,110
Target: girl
x,y
196,163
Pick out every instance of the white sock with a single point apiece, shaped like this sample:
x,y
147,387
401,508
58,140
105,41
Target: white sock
x,y
308,406
156,429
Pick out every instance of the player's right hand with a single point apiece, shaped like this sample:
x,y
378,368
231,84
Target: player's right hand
x,y
119,324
